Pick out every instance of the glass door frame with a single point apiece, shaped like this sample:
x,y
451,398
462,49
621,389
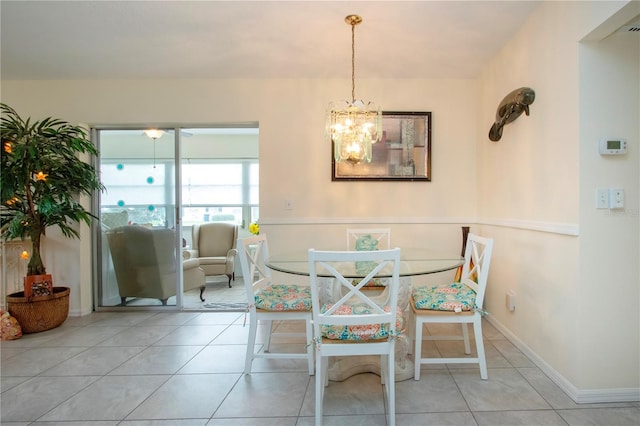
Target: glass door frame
x,y
175,217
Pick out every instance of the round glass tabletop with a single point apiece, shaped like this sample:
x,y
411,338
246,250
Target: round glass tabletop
x,y
413,261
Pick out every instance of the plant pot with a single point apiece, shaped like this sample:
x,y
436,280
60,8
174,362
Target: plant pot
x,y
38,285
39,313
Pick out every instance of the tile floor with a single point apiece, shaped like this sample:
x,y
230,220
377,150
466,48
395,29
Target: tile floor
x,y
185,369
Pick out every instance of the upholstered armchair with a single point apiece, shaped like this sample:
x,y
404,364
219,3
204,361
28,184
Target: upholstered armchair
x,y
214,245
145,263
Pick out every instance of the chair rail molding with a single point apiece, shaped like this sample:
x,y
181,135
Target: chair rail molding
x,y
366,220
533,225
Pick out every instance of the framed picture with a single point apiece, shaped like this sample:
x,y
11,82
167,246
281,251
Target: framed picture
x,y
403,152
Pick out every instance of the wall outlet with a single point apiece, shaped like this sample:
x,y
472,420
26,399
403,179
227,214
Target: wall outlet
x,y
616,198
288,204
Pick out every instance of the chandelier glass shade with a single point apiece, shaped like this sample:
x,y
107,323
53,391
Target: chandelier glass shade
x,y
353,126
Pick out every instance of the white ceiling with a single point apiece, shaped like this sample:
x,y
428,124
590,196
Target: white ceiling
x,y
253,39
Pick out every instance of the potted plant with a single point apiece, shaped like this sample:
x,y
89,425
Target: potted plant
x,y
41,181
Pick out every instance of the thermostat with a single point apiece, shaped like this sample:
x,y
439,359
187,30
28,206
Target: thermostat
x,y
613,146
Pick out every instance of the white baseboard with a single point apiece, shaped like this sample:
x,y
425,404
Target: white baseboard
x,y
580,396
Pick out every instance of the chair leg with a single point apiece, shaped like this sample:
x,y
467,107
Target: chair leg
x,y
482,360
320,374
164,302
465,337
201,293
310,347
391,388
325,370
417,350
229,276
123,301
267,335
251,344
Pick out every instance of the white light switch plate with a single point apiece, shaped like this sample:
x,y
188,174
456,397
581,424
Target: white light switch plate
x,y
602,198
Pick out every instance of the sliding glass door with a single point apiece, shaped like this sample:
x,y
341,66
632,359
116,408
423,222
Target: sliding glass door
x,y
158,186
139,232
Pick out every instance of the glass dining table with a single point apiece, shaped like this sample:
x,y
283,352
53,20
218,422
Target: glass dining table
x,y
413,262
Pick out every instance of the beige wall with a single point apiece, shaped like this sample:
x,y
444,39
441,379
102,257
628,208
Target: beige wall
x,y
609,252
568,257
294,157
526,191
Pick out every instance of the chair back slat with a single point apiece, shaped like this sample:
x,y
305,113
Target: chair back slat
x,y
253,252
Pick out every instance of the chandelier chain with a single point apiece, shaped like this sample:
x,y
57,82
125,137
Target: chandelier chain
x,y
353,62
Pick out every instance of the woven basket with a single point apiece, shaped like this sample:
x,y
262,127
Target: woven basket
x,y
39,313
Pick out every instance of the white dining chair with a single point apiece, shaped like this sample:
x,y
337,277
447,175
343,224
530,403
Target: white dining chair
x,y
269,302
357,238
355,325
457,302
367,239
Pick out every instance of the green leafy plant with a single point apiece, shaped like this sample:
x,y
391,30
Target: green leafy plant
x,y
42,178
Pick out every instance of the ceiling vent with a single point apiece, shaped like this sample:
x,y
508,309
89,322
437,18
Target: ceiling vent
x,y
633,28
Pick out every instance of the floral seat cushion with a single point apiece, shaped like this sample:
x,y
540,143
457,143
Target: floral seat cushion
x,y
282,297
446,297
359,332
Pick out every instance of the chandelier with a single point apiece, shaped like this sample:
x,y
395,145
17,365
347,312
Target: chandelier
x,y
353,126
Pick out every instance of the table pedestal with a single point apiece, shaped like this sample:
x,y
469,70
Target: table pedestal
x,y
341,368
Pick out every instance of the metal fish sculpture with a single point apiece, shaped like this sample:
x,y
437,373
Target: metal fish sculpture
x,y
510,108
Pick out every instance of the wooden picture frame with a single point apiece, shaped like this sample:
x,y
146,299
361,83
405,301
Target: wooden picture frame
x,y
403,152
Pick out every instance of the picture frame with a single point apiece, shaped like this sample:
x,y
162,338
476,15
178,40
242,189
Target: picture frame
x,y
403,152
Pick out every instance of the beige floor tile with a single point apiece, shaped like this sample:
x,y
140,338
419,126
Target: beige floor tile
x,y
216,359
505,390
436,391
158,360
601,416
436,419
255,421
347,397
96,361
265,394
519,418
192,335
186,396
108,398
17,403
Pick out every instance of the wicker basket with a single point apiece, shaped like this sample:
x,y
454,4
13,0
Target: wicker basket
x,y
39,313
